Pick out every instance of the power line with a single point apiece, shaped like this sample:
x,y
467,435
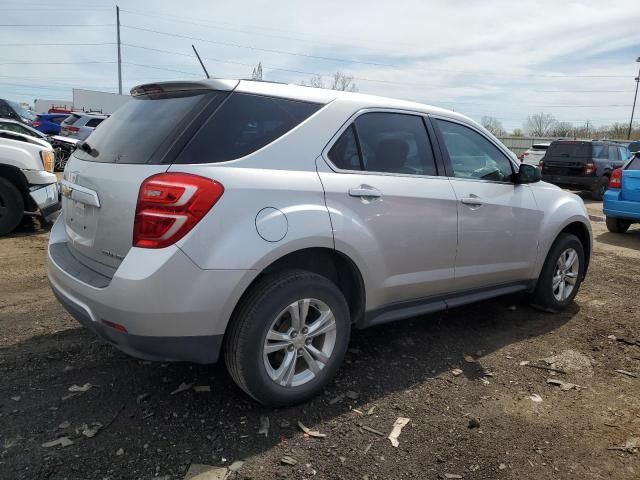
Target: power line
x,y
55,63
260,49
49,25
55,44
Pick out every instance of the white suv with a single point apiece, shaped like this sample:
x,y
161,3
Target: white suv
x,y
266,220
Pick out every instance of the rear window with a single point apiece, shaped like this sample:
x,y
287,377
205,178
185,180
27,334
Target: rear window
x,y
71,119
244,124
569,149
540,147
142,130
634,146
94,122
634,164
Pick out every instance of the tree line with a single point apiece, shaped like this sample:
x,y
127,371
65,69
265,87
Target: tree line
x,y
545,125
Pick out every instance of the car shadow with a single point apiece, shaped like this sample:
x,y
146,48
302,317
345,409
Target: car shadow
x,y
630,239
29,226
133,399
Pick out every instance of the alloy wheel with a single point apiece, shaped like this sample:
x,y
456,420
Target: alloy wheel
x,y
565,274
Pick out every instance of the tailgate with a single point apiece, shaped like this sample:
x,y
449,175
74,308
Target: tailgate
x,y
98,206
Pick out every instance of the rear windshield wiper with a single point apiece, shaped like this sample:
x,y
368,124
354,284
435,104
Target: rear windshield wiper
x,y
85,147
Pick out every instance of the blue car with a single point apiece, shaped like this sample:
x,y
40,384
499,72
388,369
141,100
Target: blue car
x,y
49,123
622,199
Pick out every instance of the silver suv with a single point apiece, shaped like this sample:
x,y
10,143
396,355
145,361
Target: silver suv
x,y
265,221
80,125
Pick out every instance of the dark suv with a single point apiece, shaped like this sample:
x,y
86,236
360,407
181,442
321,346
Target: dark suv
x,y
583,164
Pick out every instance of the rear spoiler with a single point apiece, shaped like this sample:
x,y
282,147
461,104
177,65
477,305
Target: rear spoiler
x,y
161,88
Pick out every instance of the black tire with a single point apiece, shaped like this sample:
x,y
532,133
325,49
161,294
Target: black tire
x,y
543,296
246,334
615,225
598,191
11,207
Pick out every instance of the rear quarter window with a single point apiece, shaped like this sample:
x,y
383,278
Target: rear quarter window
x,y
634,164
94,122
243,124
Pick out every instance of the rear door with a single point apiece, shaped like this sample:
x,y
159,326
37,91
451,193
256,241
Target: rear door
x,y
100,185
631,181
389,208
498,221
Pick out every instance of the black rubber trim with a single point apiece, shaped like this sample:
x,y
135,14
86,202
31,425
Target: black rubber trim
x,y
197,349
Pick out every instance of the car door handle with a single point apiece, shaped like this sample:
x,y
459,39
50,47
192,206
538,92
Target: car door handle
x,y
364,191
472,201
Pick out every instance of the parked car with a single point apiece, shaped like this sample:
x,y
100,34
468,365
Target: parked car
x,y
28,185
62,146
265,220
622,201
49,123
534,154
80,125
15,111
583,164
634,146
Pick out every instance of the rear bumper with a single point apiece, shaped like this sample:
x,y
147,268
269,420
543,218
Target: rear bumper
x,y
47,199
586,183
614,207
171,309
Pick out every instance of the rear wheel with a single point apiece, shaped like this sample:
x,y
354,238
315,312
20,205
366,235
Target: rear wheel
x,y
615,225
11,207
288,337
561,274
598,191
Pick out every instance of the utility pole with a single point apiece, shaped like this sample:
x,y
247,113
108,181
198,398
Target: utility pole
x,y
200,60
634,102
119,55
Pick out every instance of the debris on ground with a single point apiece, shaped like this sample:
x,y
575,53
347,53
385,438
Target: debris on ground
x,y
264,426
469,359
564,386
456,372
287,460
474,423
544,367
571,361
367,448
202,388
398,425
80,388
630,446
183,386
371,410
535,398
372,430
235,466
120,452
628,374
285,423
352,395
337,399
64,425
452,476
628,341
92,431
141,398
205,472
311,433
62,441
16,398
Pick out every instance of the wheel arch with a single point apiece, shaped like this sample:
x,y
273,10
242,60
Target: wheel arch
x,y
17,178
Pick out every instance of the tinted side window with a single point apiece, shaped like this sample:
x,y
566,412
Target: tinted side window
x,y
395,143
472,155
94,122
613,153
624,153
600,151
12,127
5,111
344,153
243,124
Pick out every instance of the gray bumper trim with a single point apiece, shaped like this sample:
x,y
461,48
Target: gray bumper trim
x,y
200,349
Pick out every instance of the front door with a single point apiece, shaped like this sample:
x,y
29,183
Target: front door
x,y
498,221
389,210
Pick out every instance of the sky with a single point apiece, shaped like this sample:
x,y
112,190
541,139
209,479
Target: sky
x,y
506,59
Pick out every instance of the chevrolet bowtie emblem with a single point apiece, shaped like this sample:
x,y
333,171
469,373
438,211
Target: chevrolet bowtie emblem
x,y
66,191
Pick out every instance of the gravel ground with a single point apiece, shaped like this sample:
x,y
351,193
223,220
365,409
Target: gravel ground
x,y
476,409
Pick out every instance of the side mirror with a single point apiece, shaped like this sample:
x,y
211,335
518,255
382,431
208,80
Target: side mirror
x,y
528,174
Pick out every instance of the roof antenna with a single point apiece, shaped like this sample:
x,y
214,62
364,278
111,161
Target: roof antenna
x,y
200,60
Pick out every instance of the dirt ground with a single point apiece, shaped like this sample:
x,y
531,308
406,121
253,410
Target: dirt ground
x,y
498,418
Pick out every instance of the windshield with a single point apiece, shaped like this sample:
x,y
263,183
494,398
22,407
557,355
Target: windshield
x,y
23,112
135,133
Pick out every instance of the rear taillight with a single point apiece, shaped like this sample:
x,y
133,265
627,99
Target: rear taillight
x,y
36,124
589,168
616,179
72,129
541,164
170,205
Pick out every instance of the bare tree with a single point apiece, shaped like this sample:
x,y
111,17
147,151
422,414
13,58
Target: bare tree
x,y
517,132
539,124
562,129
338,81
257,72
493,125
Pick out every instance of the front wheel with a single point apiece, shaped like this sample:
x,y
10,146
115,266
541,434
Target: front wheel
x,y
561,274
288,337
11,207
615,225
